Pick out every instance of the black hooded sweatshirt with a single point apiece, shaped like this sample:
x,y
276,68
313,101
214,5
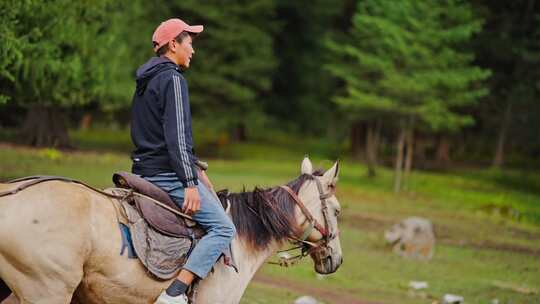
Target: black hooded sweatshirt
x,y
161,122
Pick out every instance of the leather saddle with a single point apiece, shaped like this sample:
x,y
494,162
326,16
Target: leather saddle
x,y
159,218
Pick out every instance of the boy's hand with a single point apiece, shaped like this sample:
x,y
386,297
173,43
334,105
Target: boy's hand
x,y
192,200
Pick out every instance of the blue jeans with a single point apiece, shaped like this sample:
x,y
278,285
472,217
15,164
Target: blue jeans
x,y
219,227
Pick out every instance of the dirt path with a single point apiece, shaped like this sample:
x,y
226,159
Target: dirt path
x,y
328,296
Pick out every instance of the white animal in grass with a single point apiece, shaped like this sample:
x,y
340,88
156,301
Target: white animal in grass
x,y
412,237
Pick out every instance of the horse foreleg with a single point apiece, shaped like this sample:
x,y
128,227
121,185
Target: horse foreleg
x,y
36,292
12,299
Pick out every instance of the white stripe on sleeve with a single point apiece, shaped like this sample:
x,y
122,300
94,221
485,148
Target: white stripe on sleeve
x,y
180,127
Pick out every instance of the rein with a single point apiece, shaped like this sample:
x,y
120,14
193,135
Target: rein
x,y
37,179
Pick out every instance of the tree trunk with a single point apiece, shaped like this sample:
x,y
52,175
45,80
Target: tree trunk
x,y
355,137
410,152
240,132
498,159
443,148
420,144
372,146
86,121
398,168
377,140
44,126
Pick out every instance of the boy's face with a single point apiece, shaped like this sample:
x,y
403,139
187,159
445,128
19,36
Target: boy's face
x,y
182,52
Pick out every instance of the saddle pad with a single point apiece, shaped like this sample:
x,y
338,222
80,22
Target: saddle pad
x,y
162,255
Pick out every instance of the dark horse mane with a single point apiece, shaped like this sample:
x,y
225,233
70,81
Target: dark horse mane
x,y
265,215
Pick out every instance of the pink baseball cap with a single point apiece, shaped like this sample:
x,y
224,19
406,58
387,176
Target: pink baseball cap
x,y
171,28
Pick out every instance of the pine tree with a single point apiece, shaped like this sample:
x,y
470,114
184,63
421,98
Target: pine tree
x,y
301,88
509,45
56,57
10,45
405,62
233,60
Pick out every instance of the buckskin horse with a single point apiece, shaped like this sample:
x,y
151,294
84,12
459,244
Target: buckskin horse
x,y
60,242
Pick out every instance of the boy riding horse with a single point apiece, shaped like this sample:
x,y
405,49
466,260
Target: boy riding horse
x,y
164,155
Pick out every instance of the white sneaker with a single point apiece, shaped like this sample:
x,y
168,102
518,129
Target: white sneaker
x,y
164,298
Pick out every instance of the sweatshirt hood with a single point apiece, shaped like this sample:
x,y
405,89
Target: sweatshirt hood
x,y
151,68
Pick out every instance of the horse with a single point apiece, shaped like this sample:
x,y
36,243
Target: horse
x,y
60,241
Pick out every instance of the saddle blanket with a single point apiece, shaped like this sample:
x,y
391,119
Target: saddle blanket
x,y
161,254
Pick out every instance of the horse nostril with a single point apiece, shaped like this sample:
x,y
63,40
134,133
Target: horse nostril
x,y
340,260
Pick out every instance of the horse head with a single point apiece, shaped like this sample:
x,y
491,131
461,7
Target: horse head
x,y
321,233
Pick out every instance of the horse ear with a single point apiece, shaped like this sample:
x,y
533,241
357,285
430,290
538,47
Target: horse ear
x,y
307,167
331,176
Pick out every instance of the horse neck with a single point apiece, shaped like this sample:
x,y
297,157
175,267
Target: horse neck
x,y
225,285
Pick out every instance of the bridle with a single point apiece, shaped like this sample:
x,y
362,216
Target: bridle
x,y
319,247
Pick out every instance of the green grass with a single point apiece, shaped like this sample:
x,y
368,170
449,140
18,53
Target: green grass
x,y
263,294
487,223
102,139
209,144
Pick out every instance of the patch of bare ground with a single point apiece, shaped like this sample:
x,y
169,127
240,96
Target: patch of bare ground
x,y
328,296
529,235
495,246
371,222
447,235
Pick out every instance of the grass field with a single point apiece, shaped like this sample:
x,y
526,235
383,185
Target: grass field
x,y
487,225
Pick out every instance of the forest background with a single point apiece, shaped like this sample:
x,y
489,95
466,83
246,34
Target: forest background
x,y
399,83
433,100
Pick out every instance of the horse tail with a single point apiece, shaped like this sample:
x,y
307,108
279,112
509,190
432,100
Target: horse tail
x,y
4,291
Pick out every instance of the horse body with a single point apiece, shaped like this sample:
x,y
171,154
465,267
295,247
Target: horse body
x,y
92,248
64,247
30,223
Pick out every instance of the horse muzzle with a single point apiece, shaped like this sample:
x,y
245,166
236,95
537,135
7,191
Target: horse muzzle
x,y
325,262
